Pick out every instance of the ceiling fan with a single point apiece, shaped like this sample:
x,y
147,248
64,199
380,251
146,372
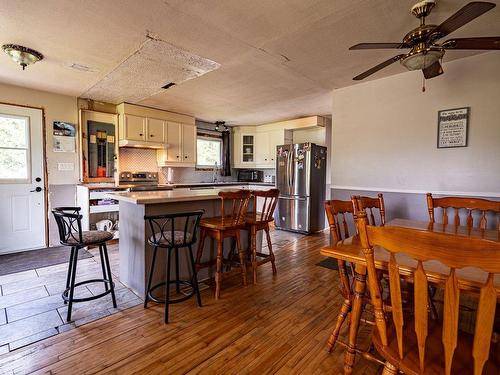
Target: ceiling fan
x,y
425,53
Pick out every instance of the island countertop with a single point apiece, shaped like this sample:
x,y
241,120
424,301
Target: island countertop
x,y
166,196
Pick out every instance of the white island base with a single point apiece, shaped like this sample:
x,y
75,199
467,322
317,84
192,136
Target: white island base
x,y
136,253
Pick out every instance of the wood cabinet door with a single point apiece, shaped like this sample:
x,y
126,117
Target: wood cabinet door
x,y
276,138
156,130
174,139
262,148
135,128
189,143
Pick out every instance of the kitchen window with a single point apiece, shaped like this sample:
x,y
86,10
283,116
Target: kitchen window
x,y
208,152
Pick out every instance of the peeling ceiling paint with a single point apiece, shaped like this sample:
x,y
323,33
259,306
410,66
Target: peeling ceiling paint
x,y
145,72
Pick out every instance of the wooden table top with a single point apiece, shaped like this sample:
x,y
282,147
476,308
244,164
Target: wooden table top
x,y
469,278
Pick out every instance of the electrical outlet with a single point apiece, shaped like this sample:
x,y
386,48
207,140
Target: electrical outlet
x,y
66,166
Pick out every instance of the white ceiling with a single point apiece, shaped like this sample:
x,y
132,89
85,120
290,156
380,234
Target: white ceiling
x,y
279,59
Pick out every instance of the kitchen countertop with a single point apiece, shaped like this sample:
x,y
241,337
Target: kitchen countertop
x,y
166,196
111,186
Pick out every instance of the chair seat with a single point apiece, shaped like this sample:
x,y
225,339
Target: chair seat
x,y
253,218
166,238
90,237
463,363
216,223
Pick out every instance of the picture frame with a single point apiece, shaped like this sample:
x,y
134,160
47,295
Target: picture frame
x,y
453,127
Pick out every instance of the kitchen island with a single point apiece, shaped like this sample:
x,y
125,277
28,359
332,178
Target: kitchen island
x,y
134,250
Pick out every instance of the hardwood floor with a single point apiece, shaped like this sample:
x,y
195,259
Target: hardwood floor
x,y
278,326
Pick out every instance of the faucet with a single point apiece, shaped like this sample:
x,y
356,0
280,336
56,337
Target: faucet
x,y
214,173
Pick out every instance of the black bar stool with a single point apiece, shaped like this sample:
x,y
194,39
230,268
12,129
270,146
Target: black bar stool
x,y
69,223
168,235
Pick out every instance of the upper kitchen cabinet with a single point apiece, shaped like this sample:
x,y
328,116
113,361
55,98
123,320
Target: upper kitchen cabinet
x,y
146,127
156,129
98,145
181,151
244,147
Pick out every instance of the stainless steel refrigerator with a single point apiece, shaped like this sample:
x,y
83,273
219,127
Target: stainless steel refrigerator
x,y
301,180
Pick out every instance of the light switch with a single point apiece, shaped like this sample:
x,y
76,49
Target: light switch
x,y
66,166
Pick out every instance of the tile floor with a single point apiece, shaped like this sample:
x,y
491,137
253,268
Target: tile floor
x,y
31,307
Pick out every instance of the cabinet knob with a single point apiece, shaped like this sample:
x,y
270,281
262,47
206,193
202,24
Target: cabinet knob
x,y
140,134
177,156
151,135
185,157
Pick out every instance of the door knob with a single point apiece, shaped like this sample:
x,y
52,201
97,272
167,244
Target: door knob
x,y
37,190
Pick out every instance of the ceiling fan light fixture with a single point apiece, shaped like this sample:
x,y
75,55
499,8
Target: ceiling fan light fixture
x,y
21,55
422,59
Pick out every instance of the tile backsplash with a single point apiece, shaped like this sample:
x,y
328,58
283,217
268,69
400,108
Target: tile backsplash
x,y
138,159
188,175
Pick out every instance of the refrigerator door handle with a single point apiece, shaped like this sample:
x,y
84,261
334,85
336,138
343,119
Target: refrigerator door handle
x,y
293,198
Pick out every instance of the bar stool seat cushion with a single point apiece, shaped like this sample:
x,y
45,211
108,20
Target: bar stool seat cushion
x,y
90,237
166,238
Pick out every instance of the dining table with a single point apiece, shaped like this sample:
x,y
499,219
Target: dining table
x,y
350,250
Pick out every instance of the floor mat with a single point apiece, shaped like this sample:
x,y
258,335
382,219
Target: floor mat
x,y
28,260
329,263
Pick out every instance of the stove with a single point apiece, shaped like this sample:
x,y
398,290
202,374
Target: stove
x,y
141,181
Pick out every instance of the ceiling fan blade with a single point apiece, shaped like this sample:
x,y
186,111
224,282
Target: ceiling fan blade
x,y
380,66
378,46
433,71
462,17
487,43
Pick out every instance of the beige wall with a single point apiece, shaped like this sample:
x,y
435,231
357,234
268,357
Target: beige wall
x,y
57,108
384,132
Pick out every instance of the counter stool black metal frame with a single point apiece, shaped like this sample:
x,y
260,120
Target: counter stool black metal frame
x,y
69,223
167,235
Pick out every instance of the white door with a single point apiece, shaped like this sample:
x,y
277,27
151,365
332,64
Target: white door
x,y
22,179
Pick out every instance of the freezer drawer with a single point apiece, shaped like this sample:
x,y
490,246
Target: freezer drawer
x,y
293,214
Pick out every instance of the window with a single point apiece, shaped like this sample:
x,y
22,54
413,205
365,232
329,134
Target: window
x,y
14,148
208,152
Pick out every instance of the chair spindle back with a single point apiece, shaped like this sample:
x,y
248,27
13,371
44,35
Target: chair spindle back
x,y
469,205
270,199
455,253
368,204
337,213
238,203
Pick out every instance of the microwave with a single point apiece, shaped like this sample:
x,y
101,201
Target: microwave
x,y
250,175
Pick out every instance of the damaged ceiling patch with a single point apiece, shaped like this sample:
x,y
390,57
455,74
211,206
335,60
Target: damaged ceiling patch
x,y
143,73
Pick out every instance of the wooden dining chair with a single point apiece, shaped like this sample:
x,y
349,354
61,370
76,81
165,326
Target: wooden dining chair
x,y
466,205
339,213
232,219
368,204
414,344
255,221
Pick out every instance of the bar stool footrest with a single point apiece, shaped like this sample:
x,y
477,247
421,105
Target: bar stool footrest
x,y
66,291
177,300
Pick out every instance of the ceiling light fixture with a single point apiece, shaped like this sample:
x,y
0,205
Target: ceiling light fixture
x,y
219,125
23,56
422,58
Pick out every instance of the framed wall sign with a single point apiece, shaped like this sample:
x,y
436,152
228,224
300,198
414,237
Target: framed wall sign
x,y
452,127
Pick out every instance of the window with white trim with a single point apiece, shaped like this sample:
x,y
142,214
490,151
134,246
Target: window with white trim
x,y
208,151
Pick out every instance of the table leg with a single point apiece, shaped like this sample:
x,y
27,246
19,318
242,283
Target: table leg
x,y
357,308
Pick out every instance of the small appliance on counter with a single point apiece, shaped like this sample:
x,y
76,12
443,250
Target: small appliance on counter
x,y
250,175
